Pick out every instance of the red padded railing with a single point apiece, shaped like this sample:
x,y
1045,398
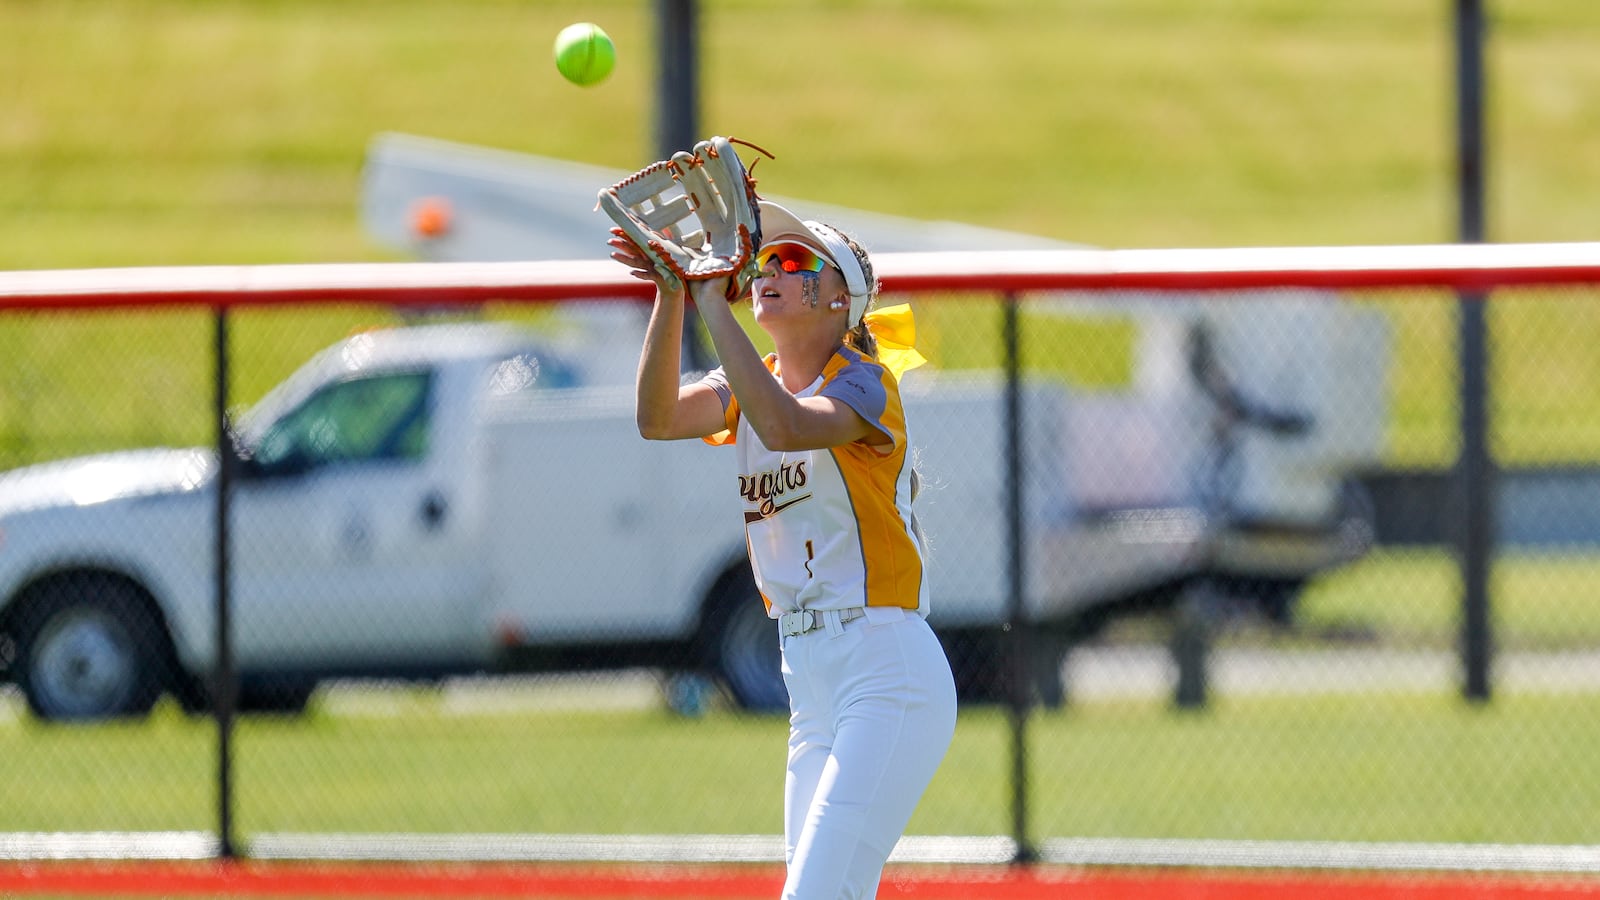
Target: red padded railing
x,y
1463,267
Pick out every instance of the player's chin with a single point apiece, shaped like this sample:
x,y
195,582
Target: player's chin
x,y
767,305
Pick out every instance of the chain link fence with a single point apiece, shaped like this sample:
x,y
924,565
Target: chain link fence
x,y
472,612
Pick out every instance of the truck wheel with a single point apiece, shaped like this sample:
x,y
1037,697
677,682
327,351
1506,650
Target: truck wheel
x,y
744,648
88,648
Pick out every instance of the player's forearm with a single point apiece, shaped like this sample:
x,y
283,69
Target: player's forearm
x,y
771,411
656,383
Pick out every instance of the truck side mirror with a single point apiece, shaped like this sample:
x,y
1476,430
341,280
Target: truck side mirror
x,y
294,464
247,467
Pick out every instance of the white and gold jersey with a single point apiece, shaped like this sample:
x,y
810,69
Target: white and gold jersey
x,y
831,528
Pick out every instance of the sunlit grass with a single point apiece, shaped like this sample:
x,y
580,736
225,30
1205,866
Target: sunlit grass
x,y
1380,766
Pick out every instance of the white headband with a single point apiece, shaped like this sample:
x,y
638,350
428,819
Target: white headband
x,y
778,223
844,259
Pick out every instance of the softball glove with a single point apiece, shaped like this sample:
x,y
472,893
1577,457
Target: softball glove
x,y
695,214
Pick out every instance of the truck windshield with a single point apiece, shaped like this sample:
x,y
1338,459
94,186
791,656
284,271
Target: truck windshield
x,y
382,417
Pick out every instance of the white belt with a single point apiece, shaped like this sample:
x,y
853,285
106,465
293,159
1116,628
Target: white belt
x,y
808,620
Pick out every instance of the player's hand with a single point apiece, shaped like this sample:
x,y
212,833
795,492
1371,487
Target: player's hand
x,y
708,291
639,263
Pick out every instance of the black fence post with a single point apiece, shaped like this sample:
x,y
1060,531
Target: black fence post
x,y
1018,670
678,125
223,688
1475,475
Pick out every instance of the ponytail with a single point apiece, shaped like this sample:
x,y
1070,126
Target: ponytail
x,y
860,339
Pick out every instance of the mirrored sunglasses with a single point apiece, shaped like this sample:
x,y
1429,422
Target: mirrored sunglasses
x,y
788,257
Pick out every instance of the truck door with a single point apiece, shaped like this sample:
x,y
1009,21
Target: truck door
x,y
348,553
582,528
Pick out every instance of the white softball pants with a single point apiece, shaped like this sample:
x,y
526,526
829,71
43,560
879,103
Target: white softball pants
x,y
872,711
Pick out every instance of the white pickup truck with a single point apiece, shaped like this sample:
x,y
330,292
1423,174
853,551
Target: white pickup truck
x,y
449,499
435,500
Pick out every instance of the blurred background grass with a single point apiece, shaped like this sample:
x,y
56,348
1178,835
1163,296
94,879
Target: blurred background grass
x,y
179,131
1358,767
173,132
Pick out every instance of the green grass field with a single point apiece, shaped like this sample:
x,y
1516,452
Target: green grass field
x,y
1369,767
173,131
1412,598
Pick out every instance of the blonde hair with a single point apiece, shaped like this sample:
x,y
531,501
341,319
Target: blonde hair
x,y
859,337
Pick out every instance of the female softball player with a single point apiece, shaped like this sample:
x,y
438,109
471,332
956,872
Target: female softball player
x,y
824,469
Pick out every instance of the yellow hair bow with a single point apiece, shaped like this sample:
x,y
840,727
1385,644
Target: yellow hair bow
x,y
895,332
